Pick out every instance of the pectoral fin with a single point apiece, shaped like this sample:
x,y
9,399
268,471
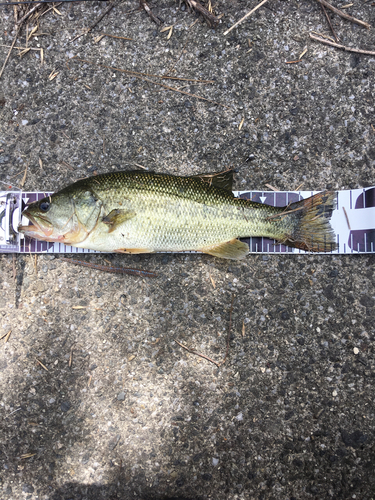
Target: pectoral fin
x,y
233,249
117,217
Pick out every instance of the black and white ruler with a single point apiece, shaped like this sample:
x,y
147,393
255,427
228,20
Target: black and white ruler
x,y
353,222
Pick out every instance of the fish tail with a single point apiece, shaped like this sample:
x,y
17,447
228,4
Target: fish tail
x,y
308,227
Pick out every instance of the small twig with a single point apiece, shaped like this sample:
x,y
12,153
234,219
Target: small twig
x,y
322,35
212,280
197,353
108,9
343,47
111,269
27,2
65,164
179,57
20,48
330,24
27,455
144,6
210,19
115,36
14,411
135,73
14,268
155,83
24,176
229,329
7,335
344,14
272,187
186,93
86,31
245,16
51,8
282,214
20,21
347,218
41,364
10,50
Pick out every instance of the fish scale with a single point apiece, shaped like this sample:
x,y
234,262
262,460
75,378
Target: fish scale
x,y
177,213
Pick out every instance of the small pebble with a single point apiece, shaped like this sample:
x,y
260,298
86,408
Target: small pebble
x,y
356,350
334,393
65,406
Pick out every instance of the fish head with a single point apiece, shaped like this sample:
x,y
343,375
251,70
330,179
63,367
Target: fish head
x,y
64,217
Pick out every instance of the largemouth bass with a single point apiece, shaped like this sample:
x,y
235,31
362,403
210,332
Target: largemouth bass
x,y
141,212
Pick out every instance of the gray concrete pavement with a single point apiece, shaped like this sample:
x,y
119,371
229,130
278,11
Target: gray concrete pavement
x,y
123,411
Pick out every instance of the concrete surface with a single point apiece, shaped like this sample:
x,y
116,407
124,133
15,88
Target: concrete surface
x,y
123,411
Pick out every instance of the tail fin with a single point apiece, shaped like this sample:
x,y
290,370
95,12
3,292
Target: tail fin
x,y
312,230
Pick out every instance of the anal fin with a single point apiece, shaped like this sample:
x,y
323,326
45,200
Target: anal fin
x,y
134,250
233,249
117,217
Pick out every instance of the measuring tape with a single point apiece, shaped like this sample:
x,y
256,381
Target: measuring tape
x,y
353,222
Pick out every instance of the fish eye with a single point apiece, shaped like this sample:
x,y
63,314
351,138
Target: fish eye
x,y
44,206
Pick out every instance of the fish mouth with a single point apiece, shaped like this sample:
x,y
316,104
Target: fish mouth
x,y
36,229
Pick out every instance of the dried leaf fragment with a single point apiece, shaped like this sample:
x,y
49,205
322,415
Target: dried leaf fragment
x,y
170,33
24,176
212,281
32,32
27,455
168,28
53,75
24,51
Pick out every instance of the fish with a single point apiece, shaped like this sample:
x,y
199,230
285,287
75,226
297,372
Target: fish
x,y
143,212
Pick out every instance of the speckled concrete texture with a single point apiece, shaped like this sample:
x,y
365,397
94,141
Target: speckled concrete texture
x,y
123,411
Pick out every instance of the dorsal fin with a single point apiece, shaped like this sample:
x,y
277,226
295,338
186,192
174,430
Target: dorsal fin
x,y
223,180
